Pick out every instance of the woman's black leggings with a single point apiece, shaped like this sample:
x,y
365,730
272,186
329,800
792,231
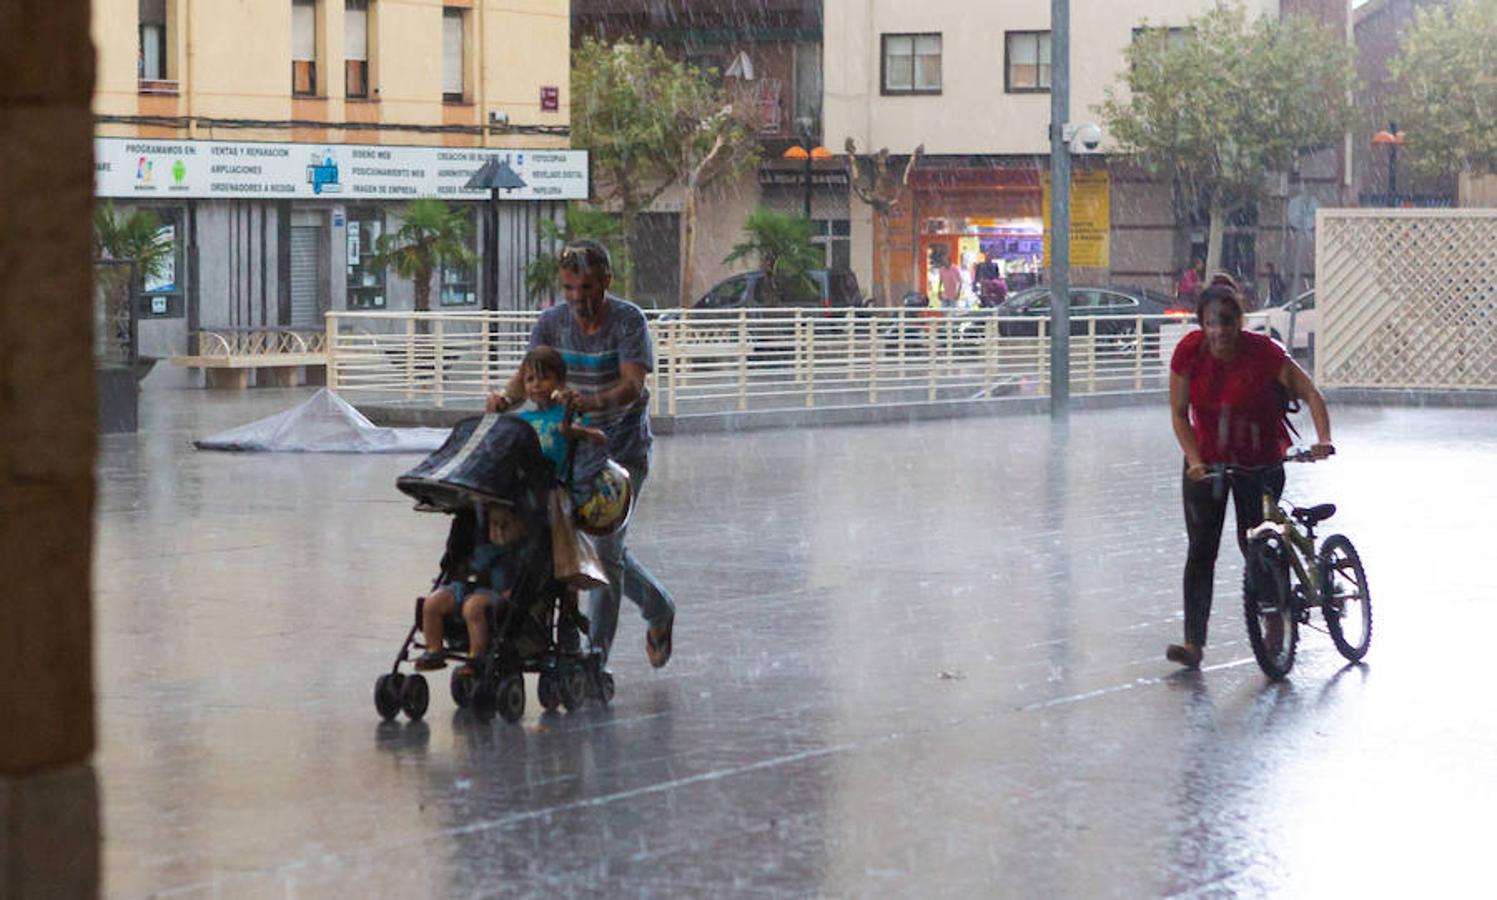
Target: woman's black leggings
x,y
1205,512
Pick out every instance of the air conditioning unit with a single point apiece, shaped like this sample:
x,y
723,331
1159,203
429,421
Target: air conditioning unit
x,y
498,118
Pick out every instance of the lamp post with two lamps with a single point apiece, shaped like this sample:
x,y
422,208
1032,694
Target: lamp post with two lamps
x,y
1392,139
807,150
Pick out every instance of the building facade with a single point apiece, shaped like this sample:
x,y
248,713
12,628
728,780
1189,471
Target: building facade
x,y
973,88
277,142
768,54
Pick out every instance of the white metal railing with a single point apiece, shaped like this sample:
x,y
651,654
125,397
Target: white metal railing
x,y
740,360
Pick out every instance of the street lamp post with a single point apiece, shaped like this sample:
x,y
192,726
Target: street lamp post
x,y
805,150
1393,139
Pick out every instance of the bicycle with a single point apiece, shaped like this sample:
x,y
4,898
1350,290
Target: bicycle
x,y
1294,579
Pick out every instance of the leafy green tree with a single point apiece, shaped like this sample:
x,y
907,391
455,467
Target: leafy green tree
x,y
649,121
135,236
1446,90
430,235
543,274
782,245
1223,104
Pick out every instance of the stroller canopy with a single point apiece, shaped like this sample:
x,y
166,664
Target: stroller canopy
x,y
488,459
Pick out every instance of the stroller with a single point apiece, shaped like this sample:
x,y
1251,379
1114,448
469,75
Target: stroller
x,y
487,461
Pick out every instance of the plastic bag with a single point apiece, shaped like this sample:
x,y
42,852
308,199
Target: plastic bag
x,y
573,555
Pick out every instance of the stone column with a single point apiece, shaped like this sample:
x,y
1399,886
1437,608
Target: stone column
x,y
48,801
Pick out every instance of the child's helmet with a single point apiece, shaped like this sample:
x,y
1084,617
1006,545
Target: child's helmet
x,y
611,497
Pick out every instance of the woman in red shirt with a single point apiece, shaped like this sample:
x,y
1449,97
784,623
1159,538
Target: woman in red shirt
x,y
1228,388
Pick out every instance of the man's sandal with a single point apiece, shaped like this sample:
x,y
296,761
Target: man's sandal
x,y
658,648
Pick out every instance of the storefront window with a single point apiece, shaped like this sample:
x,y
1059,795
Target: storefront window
x,y
366,281
161,292
459,286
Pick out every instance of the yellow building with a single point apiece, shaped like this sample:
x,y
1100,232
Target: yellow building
x,y
277,140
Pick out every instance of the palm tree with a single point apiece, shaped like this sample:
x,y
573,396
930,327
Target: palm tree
x,y
543,273
430,235
135,237
783,246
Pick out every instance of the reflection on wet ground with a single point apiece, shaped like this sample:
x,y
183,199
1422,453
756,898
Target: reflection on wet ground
x,y
910,661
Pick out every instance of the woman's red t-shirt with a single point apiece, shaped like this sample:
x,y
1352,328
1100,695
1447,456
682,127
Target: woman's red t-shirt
x,y
1237,407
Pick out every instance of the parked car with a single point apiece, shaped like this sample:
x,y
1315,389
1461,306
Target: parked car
x,y
1274,321
833,288
1034,304
711,336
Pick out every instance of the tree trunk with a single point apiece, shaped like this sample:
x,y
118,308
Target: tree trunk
x,y
882,276
688,241
1214,240
422,284
628,218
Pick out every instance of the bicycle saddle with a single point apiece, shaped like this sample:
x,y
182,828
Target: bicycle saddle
x,y
1309,516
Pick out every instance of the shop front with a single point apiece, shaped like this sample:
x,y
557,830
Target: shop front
x,y
977,233
274,235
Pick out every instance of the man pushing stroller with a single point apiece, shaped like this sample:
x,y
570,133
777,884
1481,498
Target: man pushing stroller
x,y
606,344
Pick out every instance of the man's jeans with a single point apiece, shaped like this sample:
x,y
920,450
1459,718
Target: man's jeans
x,y
626,577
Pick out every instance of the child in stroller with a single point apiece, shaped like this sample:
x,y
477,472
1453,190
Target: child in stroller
x,y
492,469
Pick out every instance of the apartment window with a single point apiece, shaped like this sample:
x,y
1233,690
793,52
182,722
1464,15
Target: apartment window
x,y
304,48
356,48
834,238
808,82
152,60
453,63
458,285
366,281
1028,68
912,64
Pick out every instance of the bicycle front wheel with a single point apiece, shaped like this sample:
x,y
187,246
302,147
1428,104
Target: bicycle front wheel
x,y
1345,599
1272,627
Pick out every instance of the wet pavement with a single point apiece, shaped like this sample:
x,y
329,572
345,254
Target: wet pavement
x,y
910,661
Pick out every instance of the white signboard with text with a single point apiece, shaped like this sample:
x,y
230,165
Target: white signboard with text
x,y
352,173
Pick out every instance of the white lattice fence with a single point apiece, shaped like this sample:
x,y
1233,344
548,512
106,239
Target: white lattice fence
x,y
1407,298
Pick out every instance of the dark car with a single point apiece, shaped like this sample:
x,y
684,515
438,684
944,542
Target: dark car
x,y
1034,303
833,288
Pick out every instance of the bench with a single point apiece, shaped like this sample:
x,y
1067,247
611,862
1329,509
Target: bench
x,y
227,356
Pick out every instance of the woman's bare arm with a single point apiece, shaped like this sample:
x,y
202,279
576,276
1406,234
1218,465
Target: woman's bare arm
x,y
1185,436
1301,387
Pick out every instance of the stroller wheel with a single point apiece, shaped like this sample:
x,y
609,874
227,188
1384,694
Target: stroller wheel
x,y
462,685
548,691
573,688
605,688
387,696
414,697
510,697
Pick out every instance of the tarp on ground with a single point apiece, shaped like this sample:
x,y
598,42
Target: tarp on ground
x,y
326,423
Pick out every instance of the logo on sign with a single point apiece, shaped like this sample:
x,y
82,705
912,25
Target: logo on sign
x,y
322,173
143,170
179,171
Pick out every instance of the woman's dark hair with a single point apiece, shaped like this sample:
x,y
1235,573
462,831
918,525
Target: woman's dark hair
x,y
582,256
545,360
1222,289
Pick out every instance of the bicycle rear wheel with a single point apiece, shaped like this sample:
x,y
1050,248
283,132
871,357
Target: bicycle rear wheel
x,y
1345,599
1272,627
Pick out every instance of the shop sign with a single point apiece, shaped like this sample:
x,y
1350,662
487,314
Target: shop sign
x,y
797,177
140,168
1091,219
